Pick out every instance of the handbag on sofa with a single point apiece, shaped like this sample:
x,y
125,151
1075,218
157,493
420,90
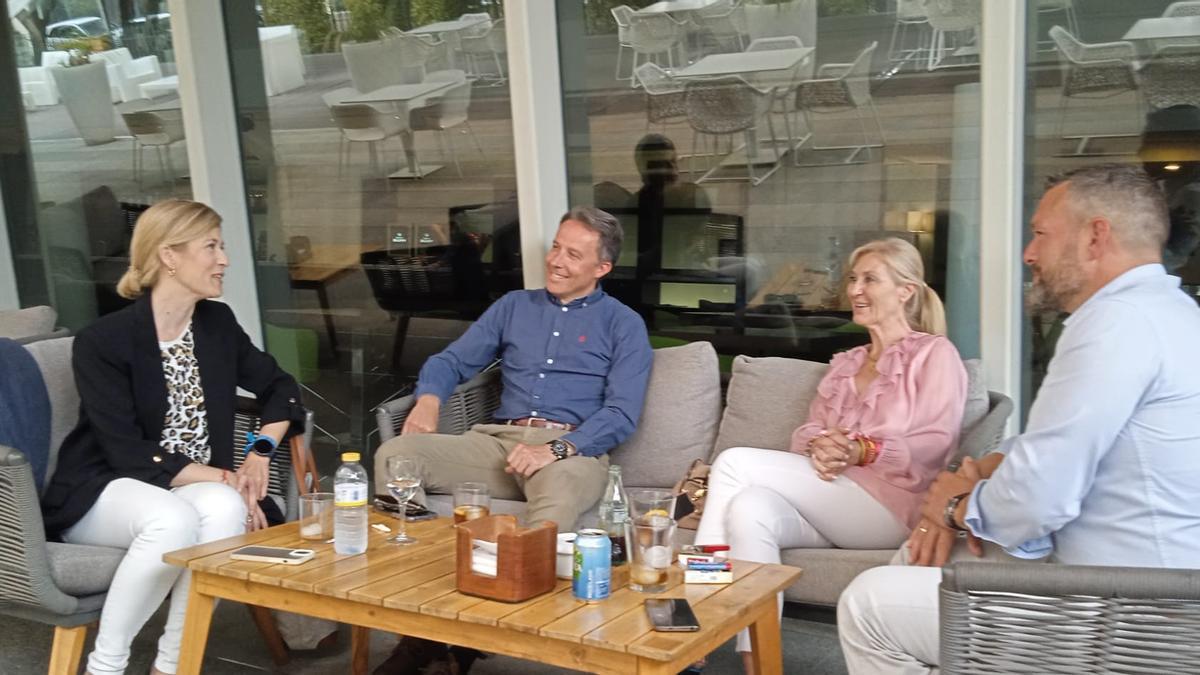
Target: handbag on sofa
x,y
693,486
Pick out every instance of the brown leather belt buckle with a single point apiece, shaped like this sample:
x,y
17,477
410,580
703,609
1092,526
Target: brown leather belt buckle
x,y
540,423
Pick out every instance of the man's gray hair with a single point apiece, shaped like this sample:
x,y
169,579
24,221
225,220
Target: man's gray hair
x,y
602,223
1125,196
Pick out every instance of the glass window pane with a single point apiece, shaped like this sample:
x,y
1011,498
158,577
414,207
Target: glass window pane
x,y
377,150
1114,82
750,147
98,92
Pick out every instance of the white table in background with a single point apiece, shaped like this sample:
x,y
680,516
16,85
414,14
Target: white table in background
x,y
675,6
745,63
1164,28
447,26
406,97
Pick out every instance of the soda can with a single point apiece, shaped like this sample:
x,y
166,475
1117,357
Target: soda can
x,y
592,569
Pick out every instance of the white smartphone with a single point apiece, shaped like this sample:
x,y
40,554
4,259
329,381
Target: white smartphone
x,y
273,554
671,615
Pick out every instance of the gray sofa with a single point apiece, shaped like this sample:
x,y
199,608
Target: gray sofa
x,y
684,419
30,324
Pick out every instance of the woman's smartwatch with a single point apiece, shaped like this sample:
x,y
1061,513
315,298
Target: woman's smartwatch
x,y
263,446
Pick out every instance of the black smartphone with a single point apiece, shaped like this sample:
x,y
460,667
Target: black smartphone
x,y
388,505
671,615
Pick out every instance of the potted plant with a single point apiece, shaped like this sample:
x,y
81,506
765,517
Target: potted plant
x,y
86,92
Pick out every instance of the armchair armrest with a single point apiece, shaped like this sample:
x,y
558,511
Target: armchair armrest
x,y
25,580
833,70
141,67
293,469
473,402
988,432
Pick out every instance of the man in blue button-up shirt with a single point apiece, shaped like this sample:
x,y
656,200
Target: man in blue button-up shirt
x,y
1108,469
574,363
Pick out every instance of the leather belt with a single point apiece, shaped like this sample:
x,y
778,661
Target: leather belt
x,y
539,422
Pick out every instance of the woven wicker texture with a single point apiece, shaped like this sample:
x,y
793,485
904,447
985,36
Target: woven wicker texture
x,y
473,402
1018,618
839,85
723,105
1186,8
664,93
653,33
1094,69
1172,77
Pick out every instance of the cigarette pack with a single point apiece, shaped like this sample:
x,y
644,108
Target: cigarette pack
x,y
707,577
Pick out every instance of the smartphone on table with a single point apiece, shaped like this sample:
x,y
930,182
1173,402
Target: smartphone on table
x,y
273,554
388,504
671,615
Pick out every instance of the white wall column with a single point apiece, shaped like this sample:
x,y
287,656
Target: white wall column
x,y
8,273
536,92
214,156
1002,143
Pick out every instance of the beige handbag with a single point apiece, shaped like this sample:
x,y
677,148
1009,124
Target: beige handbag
x,y
694,487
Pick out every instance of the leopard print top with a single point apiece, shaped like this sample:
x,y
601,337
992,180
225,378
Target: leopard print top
x,y
185,428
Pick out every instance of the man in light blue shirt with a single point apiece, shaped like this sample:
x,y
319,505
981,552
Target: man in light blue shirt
x,y
1108,469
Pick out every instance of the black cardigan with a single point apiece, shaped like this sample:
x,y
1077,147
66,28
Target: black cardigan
x,y
123,402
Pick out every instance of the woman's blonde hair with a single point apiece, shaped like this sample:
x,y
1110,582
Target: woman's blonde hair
x,y
171,222
924,309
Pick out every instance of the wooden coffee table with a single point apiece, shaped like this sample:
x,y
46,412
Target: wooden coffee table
x,y
411,590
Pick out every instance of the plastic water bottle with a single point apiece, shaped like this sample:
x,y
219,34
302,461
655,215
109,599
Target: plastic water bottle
x,y
614,511
350,506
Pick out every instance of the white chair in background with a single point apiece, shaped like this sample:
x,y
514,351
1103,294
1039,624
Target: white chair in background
x,y
361,123
1172,77
621,15
156,130
723,21
283,63
38,82
1066,7
653,34
909,13
412,52
371,65
126,75
960,19
664,94
839,87
448,112
783,84
1094,71
50,59
728,106
490,43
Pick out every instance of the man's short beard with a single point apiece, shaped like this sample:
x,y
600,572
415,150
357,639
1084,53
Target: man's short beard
x,y
1053,289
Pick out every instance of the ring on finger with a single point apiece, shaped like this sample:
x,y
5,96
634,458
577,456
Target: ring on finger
x,y
922,530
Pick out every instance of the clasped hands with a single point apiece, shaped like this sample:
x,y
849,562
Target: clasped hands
x,y
523,460
931,541
832,451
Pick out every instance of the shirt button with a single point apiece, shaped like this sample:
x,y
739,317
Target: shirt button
x,y
555,333
533,413
564,309
156,458
549,360
542,375
585,304
536,396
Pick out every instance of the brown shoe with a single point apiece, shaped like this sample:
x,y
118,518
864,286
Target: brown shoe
x,y
411,656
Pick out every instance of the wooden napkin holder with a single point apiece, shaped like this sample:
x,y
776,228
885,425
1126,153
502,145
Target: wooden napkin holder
x,y
524,558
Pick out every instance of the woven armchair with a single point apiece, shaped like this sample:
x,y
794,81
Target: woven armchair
x,y
1093,71
664,94
723,107
840,87
489,43
783,84
653,34
1018,618
724,21
957,18
65,585
622,14
1172,77
473,402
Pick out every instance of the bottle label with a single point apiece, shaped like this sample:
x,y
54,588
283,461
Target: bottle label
x,y
350,494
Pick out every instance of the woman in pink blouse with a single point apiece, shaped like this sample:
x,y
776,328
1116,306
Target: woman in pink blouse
x,y
885,420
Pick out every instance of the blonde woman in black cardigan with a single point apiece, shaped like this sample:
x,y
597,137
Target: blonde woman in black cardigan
x,y
149,466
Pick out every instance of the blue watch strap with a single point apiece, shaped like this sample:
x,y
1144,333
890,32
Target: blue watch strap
x,y
263,446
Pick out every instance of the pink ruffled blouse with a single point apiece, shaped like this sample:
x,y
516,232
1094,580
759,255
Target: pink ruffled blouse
x,y
913,408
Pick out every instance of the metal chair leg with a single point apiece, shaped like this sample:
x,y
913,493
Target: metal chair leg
x,y
474,139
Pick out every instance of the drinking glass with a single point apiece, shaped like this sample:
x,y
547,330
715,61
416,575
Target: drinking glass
x,y
651,551
645,502
403,481
316,515
471,501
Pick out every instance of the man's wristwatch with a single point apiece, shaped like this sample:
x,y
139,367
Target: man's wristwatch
x,y
263,446
561,449
948,514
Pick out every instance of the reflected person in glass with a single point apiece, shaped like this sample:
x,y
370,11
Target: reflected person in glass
x,y
149,466
884,421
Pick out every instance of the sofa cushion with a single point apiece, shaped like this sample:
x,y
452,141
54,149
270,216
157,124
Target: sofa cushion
x,y
22,323
827,571
977,396
768,398
53,358
79,570
679,419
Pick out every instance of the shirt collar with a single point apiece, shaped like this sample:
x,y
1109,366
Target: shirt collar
x,y
1130,278
590,298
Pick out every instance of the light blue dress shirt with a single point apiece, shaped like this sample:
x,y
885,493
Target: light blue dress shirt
x,y
586,363
1108,469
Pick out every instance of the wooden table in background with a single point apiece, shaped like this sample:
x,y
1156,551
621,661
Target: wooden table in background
x,y
327,263
411,590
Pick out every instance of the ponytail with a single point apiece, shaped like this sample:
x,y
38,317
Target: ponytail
x,y
930,313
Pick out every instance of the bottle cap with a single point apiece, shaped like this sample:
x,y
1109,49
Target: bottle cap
x,y
350,456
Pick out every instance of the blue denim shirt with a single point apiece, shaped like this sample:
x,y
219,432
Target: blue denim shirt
x,y
1108,469
586,363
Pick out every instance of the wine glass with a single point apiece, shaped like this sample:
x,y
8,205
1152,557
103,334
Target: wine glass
x,y
403,481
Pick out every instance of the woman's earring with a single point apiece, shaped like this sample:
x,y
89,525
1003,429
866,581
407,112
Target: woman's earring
x,y
171,271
